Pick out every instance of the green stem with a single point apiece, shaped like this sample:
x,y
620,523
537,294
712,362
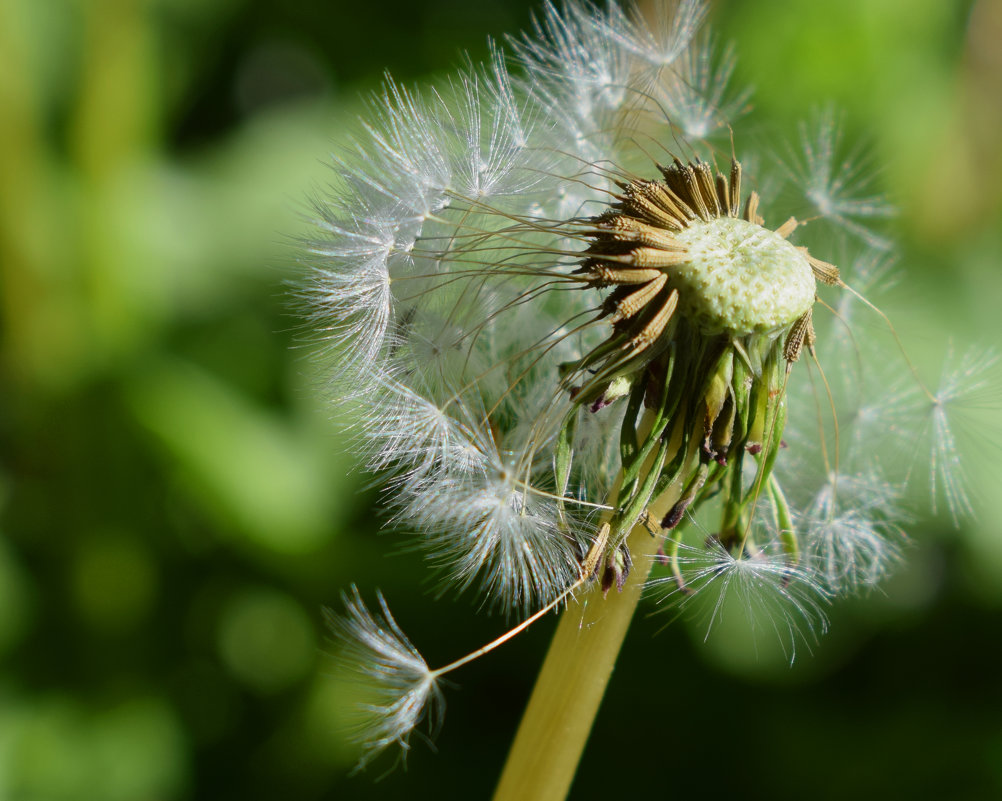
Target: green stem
x,y
569,689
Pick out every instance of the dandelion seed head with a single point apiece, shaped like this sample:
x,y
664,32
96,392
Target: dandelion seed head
x,y
511,298
553,308
743,278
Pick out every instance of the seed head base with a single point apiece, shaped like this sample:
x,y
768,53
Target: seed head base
x,y
709,309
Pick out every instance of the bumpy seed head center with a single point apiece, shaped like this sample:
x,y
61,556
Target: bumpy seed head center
x,y
741,278
687,256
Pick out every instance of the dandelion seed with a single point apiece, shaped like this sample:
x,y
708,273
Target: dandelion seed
x,y
870,273
967,385
660,41
351,297
837,182
698,99
852,531
576,71
490,529
414,437
584,64
964,387
762,585
399,689
924,426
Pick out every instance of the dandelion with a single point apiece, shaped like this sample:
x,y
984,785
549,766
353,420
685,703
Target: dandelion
x,y
570,334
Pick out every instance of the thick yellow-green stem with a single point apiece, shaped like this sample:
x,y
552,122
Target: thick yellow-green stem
x,y
569,689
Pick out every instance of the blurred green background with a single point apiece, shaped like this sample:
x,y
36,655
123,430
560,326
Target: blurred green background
x,y
177,501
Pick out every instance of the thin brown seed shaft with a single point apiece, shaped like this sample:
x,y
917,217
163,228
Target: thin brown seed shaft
x,y
630,229
688,177
672,197
704,180
635,301
826,273
647,258
788,227
615,275
674,177
735,187
723,199
802,330
811,336
751,209
655,257
641,206
662,196
656,326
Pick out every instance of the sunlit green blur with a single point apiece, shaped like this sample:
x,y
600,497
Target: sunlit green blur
x,y
178,501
